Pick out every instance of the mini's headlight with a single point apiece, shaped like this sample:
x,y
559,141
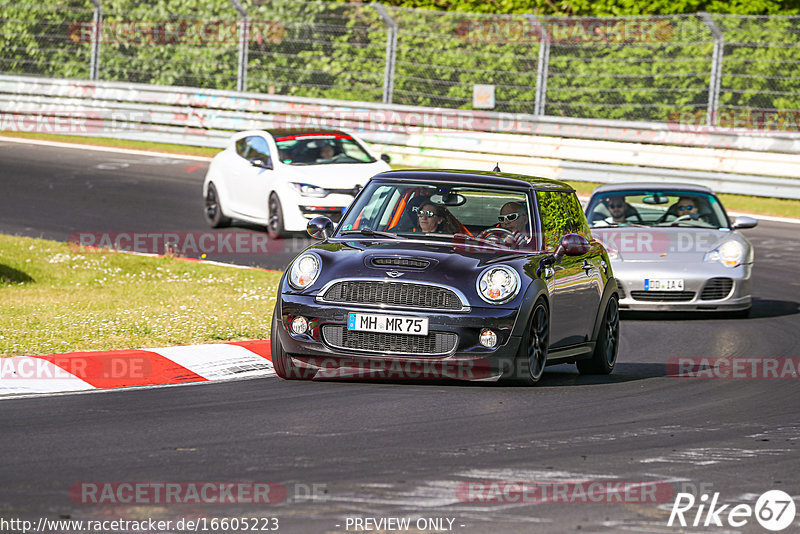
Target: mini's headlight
x,y
304,271
498,284
730,254
308,190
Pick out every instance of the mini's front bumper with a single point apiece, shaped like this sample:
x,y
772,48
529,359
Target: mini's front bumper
x,y
695,296
468,359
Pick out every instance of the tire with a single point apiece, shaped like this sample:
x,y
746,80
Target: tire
x,y
605,351
213,209
275,228
282,362
531,358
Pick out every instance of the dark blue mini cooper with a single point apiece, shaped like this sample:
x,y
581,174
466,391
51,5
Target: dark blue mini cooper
x,y
437,274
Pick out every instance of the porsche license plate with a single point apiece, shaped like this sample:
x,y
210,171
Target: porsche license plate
x,y
390,324
663,284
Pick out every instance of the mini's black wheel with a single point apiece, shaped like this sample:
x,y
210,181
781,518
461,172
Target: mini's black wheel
x,y
605,351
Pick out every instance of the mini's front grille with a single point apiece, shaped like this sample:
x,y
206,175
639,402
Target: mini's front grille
x,y
621,289
393,294
663,296
435,343
400,262
717,288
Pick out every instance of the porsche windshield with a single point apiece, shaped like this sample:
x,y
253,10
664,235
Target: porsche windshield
x,y
320,149
656,208
489,216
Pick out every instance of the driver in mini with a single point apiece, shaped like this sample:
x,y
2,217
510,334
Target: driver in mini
x,y
514,217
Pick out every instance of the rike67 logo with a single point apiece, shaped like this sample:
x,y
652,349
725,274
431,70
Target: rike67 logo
x,y
774,510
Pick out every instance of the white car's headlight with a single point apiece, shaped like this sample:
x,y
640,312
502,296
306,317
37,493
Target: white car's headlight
x,y
498,284
304,271
730,254
308,190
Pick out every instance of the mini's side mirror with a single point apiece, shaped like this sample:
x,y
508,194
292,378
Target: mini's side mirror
x,y
744,222
320,228
573,245
386,158
259,162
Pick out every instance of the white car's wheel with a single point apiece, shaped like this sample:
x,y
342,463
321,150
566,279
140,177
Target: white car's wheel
x,y
275,228
213,209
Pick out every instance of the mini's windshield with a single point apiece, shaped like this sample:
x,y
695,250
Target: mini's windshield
x,y
656,208
320,149
470,214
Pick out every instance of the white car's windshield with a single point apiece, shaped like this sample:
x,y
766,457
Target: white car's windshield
x,y
320,149
656,208
485,216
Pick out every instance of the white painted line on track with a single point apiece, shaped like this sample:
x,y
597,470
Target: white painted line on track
x,y
97,148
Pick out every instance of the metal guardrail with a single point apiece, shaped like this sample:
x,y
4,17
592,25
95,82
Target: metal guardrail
x,y
729,161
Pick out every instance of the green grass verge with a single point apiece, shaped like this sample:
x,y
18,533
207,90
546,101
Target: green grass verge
x,y
778,207
60,298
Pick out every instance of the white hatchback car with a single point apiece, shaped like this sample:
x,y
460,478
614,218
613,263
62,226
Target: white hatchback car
x,y
282,178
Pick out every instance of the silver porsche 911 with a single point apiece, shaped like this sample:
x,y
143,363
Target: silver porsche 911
x,y
673,247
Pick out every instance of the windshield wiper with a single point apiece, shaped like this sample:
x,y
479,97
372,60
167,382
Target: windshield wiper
x,y
369,232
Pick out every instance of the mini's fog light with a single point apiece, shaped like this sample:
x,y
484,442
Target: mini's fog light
x,y
488,338
300,325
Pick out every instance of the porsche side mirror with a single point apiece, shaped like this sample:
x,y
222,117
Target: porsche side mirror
x,y
744,222
386,158
320,227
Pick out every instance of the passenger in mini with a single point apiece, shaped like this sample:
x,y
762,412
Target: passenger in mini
x,y
433,218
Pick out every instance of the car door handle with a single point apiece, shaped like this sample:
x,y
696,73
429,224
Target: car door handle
x,y
587,267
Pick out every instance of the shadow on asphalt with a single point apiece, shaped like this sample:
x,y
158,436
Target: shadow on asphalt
x,y
762,309
9,275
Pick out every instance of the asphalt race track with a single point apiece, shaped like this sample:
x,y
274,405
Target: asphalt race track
x,y
380,450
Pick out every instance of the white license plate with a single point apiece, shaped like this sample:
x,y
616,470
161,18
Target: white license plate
x,y
390,324
663,284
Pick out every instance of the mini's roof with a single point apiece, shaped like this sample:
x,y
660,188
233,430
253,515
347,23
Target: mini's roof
x,y
475,177
651,186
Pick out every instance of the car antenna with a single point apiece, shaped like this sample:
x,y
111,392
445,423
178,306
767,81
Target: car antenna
x,y
496,167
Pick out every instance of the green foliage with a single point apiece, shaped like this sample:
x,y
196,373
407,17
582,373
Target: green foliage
x,y
642,68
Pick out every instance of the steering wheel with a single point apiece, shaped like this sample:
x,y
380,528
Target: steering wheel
x,y
497,234
682,218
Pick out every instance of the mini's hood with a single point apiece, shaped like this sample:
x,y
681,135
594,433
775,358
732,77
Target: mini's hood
x,y
663,244
448,265
333,176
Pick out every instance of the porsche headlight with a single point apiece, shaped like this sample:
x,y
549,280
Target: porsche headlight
x,y
730,254
498,284
304,271
308,190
